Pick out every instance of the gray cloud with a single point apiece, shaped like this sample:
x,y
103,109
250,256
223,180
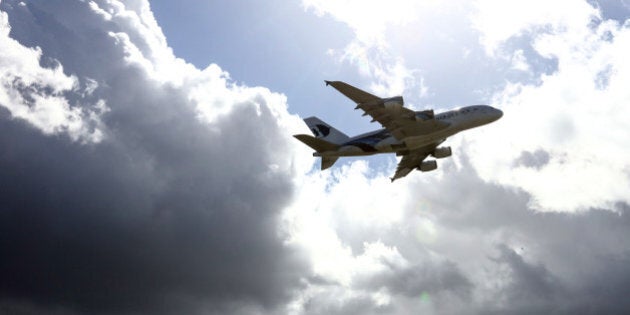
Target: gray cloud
x,y
556,262
172,215
165,215
415,280
355,305
536,159
490,254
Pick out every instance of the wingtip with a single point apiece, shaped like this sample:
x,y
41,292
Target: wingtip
x,y
327,82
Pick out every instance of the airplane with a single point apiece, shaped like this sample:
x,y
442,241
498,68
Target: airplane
x,y
414,135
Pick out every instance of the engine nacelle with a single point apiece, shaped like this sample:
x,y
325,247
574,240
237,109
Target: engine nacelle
x,y
393,102
425,115
427,166
442,152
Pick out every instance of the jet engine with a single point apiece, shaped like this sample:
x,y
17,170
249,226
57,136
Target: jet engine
x,y
425,115
427,166
393,102
440,153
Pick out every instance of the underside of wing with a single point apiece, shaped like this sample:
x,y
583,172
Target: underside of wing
x,y
413,160
408,163
400,121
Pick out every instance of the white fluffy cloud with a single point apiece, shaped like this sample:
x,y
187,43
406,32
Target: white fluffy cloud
x,y
576,114
498,20
36,94
369,19
370,51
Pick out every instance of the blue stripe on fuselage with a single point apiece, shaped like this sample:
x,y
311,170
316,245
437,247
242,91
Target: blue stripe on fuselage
x,y
368,141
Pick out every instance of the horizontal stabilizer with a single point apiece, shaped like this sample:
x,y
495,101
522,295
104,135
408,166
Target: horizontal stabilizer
x,y
318,145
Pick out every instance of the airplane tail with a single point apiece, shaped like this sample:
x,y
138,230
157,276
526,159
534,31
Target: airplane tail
x,y
320,145
317,144
324,131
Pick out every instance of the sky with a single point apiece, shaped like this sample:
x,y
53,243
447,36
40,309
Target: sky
x,y
147,164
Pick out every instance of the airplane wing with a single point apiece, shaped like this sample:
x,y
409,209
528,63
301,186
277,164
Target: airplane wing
x,y
357,95
400,121
413,159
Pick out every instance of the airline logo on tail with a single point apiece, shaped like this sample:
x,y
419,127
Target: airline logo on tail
x,y
321,131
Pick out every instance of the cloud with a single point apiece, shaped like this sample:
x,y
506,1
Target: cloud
x,y
573,114
450,243
544,155
195,199
173,208
370,51
537,159
521,198
375,17
498,21
36,95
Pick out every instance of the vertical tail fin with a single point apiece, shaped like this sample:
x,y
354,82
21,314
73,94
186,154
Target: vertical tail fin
x,y
324,131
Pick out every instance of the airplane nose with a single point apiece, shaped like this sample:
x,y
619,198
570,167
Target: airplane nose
x,y
495,114
499,113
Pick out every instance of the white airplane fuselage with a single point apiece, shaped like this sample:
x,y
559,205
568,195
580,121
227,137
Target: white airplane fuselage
x,y
382,141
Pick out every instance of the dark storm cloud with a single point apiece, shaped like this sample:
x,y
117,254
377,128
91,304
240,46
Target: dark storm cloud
x,y
166,215
533,288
